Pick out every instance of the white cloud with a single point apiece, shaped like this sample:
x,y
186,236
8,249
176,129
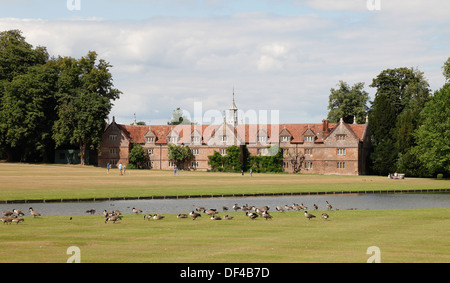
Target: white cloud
x,y
287,63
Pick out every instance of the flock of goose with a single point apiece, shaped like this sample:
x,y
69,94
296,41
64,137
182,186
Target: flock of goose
x,y
15,216
251,212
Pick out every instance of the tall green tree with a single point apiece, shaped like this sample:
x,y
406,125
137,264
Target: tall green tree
x,y
85,92
28,111
137,156
348,102
180,155
178,118
25,97
433,136
401,94
446,70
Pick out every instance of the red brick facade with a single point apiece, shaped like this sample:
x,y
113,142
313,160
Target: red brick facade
x,y
328,148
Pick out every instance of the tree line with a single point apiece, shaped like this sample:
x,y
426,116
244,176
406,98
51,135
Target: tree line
x,y
409,124
50,102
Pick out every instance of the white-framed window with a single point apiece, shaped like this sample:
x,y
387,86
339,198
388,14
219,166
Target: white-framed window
x,y
341,151
150,151
308,151
196,139
173,139
285,151
194,164
195,151
171,164
284,139
340,137
263,151
113,151
262,139
112,137
341,164
223,151
149,139
308,165
223,138
309,138
285,164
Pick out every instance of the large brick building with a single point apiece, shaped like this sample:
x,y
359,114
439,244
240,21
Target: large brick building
x,y
328,148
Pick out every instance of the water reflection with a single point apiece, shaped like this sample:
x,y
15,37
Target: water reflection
x,y
363,201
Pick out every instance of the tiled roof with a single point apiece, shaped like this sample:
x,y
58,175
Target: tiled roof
x,y
245,132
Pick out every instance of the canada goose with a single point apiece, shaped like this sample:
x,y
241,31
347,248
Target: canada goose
x,y
148,216
34,213
227,217
182,215
304,207
194,215
236,207
157,217
279,208
17,220
287,207
325,216
215,217
7,213
251,215
309,215
6,220
199,208
266,215
246,207
329,207
224,208
117,212
137,211
296,207
315,207
257,210
210,211
91,211
108,213
18,212
113,218
265,208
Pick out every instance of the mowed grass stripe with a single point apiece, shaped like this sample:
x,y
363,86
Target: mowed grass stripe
x,y
28,182
402,236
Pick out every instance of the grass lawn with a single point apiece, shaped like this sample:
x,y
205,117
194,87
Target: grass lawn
x,y
401,235
27,182
417,235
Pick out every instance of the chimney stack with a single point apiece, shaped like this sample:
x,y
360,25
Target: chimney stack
x,y
325,125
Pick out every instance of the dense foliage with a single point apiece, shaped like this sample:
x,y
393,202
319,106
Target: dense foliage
x,y
180,155
49,103
238,159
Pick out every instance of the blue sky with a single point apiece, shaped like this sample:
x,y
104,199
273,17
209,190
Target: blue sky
x,y
144,9
277,54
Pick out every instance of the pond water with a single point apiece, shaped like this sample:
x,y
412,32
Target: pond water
x,y
341,202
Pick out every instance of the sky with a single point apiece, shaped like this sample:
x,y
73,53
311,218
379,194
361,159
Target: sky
x,y
277,55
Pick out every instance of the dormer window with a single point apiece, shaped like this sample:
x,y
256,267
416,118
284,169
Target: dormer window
x,y
149,139
262,139
112,137
196,139
309,138
285,139
173,139
223,138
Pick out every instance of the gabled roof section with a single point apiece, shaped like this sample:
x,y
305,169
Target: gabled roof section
x,y
243,133
285,132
